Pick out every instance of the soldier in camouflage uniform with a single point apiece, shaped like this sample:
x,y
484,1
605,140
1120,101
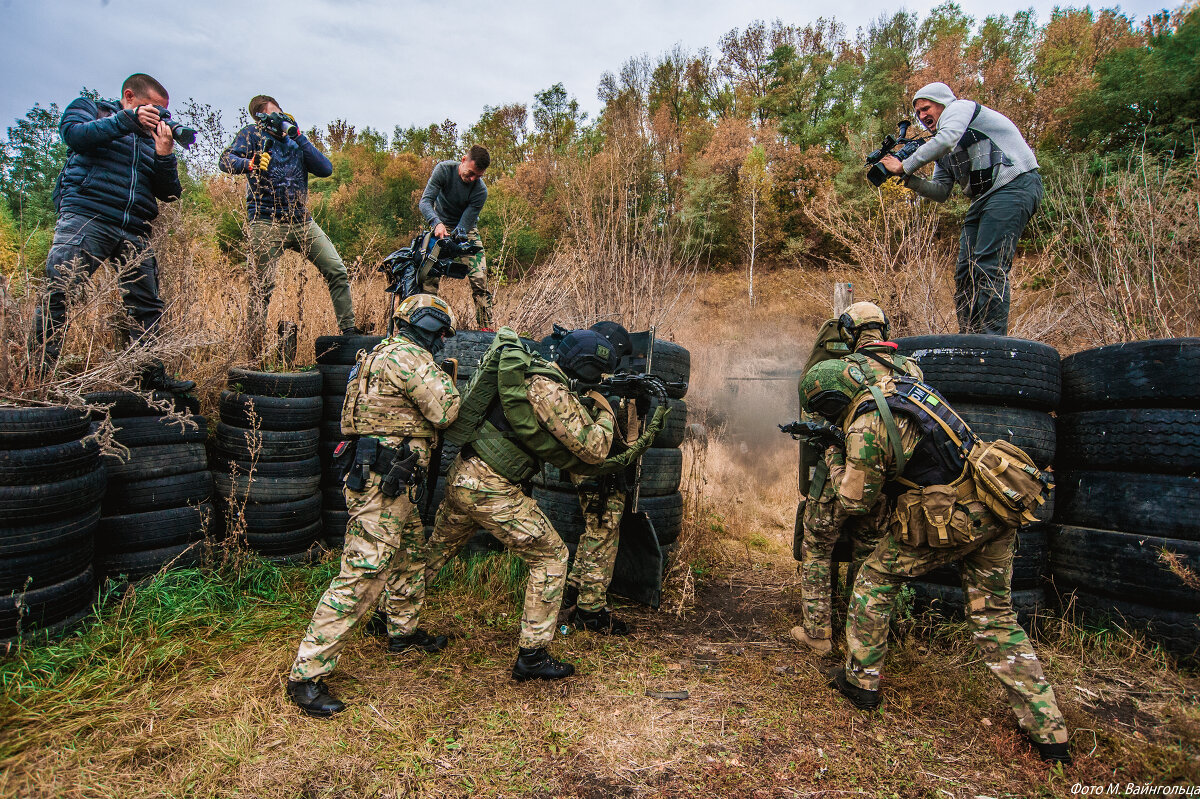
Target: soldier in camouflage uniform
x,y
864,329
524,412
888,451
396,401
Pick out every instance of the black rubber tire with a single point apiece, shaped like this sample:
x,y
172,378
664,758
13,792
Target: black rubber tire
x,y
23,505
48,464
273,413
1031,430
45,607
239,443
332,498
948,601
48,566
343,349
271,517
468,346
1175,630
675,426
666,513
285,542
123,404
334,379
662,471
136,532
305,558
994,370
50,632
265,487
331,431
1157,440
334,524
144,563
309,467
670,361
156,461
48,535
1162,373
144,431
563,511
141,496
331,407
22,428
1124,566
275,384
1166,505
1031,560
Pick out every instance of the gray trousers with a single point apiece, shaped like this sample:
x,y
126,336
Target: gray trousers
x,y
985,253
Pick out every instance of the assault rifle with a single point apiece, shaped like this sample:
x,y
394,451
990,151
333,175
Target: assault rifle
x,y
818,435
407,269
629,385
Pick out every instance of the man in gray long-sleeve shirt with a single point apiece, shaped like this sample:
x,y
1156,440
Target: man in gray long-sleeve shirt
x,y
982,151
450,204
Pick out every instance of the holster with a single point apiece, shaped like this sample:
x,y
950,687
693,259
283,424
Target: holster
x,y
399,468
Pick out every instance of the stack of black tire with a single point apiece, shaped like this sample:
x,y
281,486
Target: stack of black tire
x,y
1005,388
51,485
1129,488
336,356
267,470
662,465
158,505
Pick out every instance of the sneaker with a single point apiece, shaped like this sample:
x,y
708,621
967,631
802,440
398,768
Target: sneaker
x,y
861,698
1053,753
822,646
418,639
599,621
313,698
536,664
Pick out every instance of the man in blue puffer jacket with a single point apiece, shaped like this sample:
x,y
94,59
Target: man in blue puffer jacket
x,y
277,167
120,163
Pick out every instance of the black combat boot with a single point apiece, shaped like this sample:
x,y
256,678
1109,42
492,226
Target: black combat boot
x,y
861,698
352,330
1053,753
536,664
314,698
153,377
377,625
420,640
570,596
599,621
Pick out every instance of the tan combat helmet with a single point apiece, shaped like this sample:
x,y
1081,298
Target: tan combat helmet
x,y
860,317
426,312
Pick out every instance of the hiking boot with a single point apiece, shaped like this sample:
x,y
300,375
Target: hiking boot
x,y
420,640
822,646
153,376
313,697
376,625
861,698
599,621
352,330
536,664
1053,753
570,597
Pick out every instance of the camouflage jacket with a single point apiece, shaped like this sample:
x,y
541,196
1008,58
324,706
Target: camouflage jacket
x,y
562,414
860,473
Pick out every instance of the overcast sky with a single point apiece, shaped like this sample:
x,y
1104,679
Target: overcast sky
x,y
373,62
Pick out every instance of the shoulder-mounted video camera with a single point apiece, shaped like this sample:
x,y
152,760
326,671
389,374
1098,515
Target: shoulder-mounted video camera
x,y
278,124
179,131
408,268
906,147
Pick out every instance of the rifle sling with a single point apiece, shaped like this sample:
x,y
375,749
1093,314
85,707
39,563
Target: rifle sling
x,y
889,423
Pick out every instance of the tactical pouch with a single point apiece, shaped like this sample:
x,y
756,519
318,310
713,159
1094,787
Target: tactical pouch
x,y
366,451
401,474
1007,482
343,458
932,516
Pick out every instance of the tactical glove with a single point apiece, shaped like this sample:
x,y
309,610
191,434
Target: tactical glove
x,y
619,462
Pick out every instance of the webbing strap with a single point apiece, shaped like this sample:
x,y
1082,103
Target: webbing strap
x,y
889,422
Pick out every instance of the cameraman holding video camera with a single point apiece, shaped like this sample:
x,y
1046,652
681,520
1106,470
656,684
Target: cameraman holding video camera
x,y
451,203
982,151
276,159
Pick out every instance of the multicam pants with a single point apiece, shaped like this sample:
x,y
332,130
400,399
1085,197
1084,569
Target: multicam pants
x,y
986,566
477,277
478,497
385,547
268,240
596,553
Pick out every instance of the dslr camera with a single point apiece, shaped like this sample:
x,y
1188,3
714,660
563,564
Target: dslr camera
x,y
179,131
278,124
906,147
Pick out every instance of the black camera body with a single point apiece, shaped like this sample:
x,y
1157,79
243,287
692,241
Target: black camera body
x,y
906,147
406,269
278,124
179,131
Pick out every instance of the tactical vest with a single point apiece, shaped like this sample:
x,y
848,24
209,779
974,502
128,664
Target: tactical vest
x,y
377,407
874,368
496,419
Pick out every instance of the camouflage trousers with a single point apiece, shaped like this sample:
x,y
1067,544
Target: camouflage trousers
x,y
986,567
478,497
477,277
596,553
385,549
824,524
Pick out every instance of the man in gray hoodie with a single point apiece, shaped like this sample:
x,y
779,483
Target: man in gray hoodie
x,y
982,151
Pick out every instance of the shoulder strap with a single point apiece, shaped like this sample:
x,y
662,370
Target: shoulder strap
x,y
893,431
879,359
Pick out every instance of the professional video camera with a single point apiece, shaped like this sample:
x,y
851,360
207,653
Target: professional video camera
x,y
877,174
408,268
179,131
278,124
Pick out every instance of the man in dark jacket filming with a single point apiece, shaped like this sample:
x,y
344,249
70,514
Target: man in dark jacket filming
x,y
276,159
120,163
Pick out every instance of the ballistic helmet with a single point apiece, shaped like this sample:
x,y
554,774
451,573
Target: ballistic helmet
x,y
829,386
859,317
617,335
427,313
585,354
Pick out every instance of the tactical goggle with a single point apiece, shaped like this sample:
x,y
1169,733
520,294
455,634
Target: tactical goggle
x,y
828,403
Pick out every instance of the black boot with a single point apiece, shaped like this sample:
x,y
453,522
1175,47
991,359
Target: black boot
x,y
861,698
536,664
352,330
570,596
420,640
377,625
599,621
154,378
314,698
1053,753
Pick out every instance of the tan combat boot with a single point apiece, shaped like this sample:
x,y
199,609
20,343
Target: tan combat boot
x,y
822,646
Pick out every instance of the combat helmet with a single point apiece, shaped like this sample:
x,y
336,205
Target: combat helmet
x,y
617,335
427,313
829,387
585,354
859,317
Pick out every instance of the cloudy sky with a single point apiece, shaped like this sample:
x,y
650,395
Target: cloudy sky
x,y
373,62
